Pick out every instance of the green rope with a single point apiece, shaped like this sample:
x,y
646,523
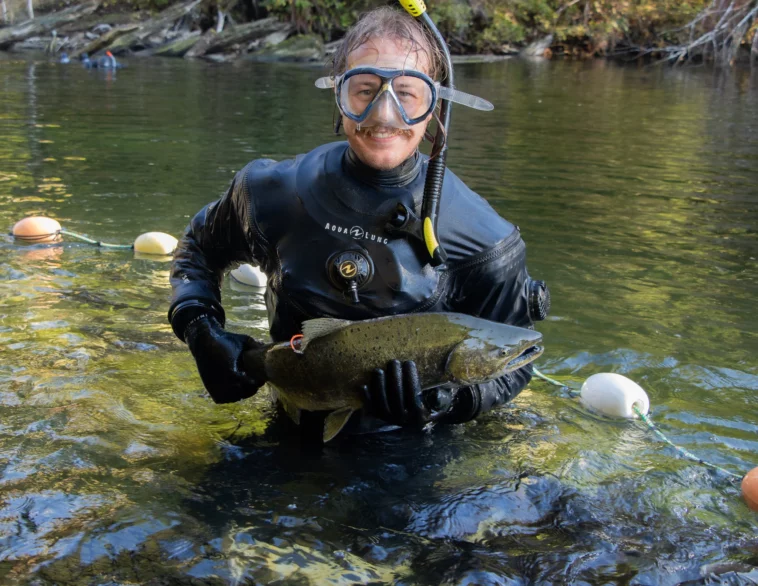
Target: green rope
x,y
687,454
573,390
682,451
97,242
538,374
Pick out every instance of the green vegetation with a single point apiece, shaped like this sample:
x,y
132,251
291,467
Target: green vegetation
x,y
678,30
579,27
487,25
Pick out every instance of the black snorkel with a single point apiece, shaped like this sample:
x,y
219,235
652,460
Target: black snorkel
x,y
435,173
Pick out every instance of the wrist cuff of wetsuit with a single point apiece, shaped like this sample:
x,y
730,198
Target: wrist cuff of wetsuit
x,y
465,406
186,312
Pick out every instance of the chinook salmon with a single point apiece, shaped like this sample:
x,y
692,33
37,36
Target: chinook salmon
x,y
335,358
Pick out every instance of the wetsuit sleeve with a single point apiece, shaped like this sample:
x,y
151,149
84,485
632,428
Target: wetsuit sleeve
x,y
498,291
218,236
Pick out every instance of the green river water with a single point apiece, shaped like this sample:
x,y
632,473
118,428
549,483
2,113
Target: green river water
x,y
636,192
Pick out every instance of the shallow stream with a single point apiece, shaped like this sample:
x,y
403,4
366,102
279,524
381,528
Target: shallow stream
x,y
635,190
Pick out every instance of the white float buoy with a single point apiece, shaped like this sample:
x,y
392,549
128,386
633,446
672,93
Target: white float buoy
x,y
249,275
155,243
37,229
614,395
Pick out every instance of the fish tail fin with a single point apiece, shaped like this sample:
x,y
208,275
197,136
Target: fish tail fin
x,y
335,421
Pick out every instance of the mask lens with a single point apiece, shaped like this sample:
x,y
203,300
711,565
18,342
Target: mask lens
x,y
414,95
358,92
362,96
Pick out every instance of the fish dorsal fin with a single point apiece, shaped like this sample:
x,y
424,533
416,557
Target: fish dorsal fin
x,y
322,326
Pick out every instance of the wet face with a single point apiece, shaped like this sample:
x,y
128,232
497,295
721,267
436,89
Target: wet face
x,y
378,146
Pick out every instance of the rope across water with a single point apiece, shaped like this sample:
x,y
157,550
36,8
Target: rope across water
x,y
96,242
687,454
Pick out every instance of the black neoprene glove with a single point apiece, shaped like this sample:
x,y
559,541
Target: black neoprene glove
x,y
394,395
218,356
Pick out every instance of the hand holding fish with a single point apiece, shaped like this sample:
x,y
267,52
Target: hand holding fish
x,y
218,356
394,395
383,365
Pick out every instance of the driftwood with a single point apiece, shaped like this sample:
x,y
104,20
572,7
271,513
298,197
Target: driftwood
x,y
139,39
244,33
177,47
93,21
716,33
104,40
44,24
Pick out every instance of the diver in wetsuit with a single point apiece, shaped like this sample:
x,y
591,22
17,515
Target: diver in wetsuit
x,y
325,228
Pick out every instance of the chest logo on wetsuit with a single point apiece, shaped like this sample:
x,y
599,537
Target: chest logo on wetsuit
x,y
348,269
356,232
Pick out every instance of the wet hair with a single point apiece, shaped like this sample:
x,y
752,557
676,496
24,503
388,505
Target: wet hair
x,y
390,23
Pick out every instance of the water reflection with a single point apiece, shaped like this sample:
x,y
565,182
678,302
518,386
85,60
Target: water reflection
x,y
634,191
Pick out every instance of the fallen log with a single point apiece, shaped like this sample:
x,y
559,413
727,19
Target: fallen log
x,y
211,42
104,41
177,47
139,39
44,24
92,21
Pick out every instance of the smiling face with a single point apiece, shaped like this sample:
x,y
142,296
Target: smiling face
x,y
383,146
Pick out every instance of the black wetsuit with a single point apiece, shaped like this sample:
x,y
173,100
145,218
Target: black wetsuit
x,y
294,219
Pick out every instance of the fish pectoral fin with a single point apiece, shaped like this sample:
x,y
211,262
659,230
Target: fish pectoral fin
x,y
335,421
292,412
322,326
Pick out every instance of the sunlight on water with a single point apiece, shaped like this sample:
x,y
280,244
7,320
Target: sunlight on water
x,y
634,189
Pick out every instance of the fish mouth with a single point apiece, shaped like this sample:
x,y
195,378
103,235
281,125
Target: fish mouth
x,y
529,355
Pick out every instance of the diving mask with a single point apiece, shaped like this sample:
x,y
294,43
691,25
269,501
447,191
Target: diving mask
x,y
397,98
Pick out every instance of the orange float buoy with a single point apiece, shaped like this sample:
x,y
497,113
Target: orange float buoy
x,y
37,229
750,489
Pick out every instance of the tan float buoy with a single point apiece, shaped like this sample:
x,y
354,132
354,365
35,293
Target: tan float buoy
x,y
155,243
37,229
750,489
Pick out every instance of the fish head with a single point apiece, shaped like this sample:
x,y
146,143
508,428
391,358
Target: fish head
x,y
489,353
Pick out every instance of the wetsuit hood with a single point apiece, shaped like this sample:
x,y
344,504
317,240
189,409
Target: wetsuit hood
x,y
399,176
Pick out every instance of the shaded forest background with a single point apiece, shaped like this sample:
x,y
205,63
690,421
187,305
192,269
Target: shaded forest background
x,y
675,29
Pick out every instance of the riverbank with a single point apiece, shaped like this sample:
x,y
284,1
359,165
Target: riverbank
x,y
87,30
201,29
